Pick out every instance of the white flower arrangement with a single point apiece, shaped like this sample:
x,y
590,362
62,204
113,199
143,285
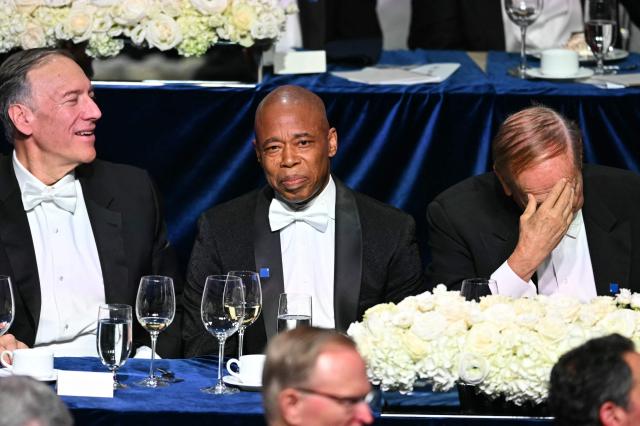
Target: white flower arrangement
x,y
190,26
506,347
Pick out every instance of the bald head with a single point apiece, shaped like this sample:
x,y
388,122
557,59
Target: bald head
x,y
294,143
293,97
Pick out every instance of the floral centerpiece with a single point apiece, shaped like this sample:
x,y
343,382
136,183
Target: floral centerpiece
x,y
506,347
190,26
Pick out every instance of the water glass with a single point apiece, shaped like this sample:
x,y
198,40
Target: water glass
x,y
114,337
294,310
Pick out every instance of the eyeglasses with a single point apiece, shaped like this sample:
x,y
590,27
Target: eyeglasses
x,y
345,401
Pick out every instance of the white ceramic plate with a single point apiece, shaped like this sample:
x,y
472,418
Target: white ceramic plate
x,y
4,372
613,55
234,381
582,73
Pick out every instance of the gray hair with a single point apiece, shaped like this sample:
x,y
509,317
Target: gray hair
x,y
14,87
26,401
291,359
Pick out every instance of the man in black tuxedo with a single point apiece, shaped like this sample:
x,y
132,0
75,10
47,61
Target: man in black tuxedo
x,y
75,232
305,232
541,221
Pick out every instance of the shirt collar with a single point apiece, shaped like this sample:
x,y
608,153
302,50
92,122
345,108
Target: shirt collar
x,y
23,176
576,225
325,201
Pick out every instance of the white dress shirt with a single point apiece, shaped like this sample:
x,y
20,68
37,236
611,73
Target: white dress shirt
x,y
71,285
558,20
308,257
566,271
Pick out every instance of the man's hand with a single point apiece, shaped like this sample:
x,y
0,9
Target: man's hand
x,y
542,228
8,343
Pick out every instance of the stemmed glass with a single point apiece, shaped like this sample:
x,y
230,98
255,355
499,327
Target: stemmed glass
x,y
155,309
475,288
114,337
222,312
252,302
7,307
522,13
294,310
600,29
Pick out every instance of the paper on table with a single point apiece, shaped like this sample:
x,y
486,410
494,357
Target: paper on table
x,y
85,383
615,81
431,73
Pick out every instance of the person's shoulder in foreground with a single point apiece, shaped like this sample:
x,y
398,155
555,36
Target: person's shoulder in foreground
x,y
315,376
597,383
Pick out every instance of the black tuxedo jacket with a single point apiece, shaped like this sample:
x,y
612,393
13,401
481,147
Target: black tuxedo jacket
x,y
130,235
474,226
376,260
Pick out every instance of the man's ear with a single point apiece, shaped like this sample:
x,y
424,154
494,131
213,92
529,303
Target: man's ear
x,y
21,117
611,414
333,142
290,406
256,150
505,186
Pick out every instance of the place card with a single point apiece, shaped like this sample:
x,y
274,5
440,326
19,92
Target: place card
x,y
300,62
85,383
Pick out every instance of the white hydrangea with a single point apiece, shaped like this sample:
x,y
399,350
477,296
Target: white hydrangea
x,y
505,347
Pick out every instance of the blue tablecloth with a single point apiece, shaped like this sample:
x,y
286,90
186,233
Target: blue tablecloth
x,y
184,403
400,144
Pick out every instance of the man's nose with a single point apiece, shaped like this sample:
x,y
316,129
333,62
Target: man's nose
x,y
363,414
92,111
289,156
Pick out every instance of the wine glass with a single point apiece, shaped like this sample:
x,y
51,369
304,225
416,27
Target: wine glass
x,y
252,302
600,29
7,307
155,309
522,13
294,310
222,312
114,337
475,288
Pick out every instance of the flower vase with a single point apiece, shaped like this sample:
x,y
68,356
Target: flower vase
x,y
474,402
232,62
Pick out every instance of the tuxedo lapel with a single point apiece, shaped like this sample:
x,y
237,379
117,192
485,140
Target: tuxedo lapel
x,y
267,255
18,244
107,231
609,242
348,258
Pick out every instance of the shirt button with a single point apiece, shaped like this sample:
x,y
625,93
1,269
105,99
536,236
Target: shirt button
x,y
66,327
55,231
61,278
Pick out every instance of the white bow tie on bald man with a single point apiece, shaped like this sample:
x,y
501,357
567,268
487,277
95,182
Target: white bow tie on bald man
x,y
63,196
315,215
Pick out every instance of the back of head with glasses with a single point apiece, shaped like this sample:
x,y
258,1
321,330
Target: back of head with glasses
x,y
315,376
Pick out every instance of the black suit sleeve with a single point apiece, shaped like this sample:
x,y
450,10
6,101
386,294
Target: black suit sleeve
x,y
404,273
203,262
451,259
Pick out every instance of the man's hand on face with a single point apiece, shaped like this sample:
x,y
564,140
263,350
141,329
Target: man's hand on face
x,y
542,228
8,343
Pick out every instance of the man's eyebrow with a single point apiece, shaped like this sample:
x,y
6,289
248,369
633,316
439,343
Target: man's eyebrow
x,y
71,92
302,135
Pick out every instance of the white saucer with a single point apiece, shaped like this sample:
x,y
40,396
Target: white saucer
x,y
4,372
234,381
582,73
612,55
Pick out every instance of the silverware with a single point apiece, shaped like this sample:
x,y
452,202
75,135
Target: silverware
x,y
168,375
616,68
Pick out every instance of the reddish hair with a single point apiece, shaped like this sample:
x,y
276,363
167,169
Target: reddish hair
x,y
531,136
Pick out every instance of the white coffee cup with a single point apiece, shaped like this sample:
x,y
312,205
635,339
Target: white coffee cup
x,y
250,368
36,362
559,63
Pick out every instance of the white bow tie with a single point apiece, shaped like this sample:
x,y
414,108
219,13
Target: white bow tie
x,y
281,217
64,196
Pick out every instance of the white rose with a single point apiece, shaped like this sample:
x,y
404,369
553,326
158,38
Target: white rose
x,y
473,368
209,7
79,22
242,16
429,326
552,329
622,321
267,27
131,12
500,315
29,3
170,7
635,301
482,339
106,3
102,22
624,297
32,37
163,32
136,34
567,308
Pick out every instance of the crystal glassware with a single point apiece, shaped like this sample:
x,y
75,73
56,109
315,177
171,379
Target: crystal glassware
x,y
222,312
475,288
294,310
7,304
114,336
600,29
252,302
155,309
522,13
